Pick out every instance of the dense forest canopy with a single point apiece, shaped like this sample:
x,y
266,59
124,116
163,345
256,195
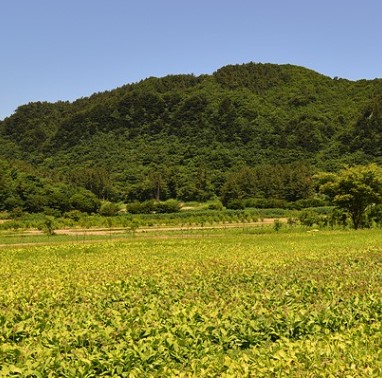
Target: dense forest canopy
x,y
251,130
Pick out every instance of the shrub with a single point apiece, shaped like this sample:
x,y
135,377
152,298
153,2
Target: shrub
x,y
109,209
74,215
267,203
145,207
277,225
236,204
169,206
52,212
85,201
375,214
47,225
309,202
11,225
216,205
150,207
16,213
338,217
309,218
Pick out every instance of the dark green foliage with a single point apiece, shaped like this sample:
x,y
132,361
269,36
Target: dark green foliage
x,y
145,207
277,225
152,206
256,77
367,132
246,131
48,225
169,206
85,201
310,202
375,214
268,203
97,180
236,204
22,190
309,218
285,182
216,205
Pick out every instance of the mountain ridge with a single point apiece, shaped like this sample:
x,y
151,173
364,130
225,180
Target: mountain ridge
x,y
240,115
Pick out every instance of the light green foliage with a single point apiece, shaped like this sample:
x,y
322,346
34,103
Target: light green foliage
x,y
355,190
291,305
109,209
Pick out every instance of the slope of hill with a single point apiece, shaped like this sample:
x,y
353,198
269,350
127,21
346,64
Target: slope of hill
x,y
182,135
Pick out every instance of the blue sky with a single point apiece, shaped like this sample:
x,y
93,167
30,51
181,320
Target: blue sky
x,y
66,49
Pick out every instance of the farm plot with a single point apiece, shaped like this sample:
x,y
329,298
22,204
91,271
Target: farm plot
x,y
241,305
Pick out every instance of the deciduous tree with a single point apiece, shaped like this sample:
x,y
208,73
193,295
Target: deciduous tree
x,y
355,190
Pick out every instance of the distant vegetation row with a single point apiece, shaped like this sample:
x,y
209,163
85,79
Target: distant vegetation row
x,y
262,186
356,192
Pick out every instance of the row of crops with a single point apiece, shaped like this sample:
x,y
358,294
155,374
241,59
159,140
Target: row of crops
x,y
270,305
181,219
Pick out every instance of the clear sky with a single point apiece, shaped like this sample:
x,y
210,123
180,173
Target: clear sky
x,y
66,49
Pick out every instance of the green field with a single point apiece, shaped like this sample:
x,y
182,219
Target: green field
x,y
227,303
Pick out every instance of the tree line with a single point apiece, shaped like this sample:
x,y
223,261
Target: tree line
x,y
22,187
357,191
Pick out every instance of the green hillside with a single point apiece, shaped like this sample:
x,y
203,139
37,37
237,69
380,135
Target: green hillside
x,y
184,136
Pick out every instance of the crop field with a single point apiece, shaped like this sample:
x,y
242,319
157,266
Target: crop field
x,y
228,304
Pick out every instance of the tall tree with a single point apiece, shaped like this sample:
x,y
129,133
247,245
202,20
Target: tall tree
x,y
355,190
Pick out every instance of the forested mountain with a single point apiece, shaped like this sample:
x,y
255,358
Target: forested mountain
x,y
191,137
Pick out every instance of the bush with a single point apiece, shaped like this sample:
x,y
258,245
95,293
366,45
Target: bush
x,y
216,205
52,212
277,225
11,225
267,203
338,217
74,215
309,218
16,213
85,201
236,204
150,207
109,209
375,214
47,225
309,202
169,206
146,207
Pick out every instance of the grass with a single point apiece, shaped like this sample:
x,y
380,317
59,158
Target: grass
x,y
225,303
